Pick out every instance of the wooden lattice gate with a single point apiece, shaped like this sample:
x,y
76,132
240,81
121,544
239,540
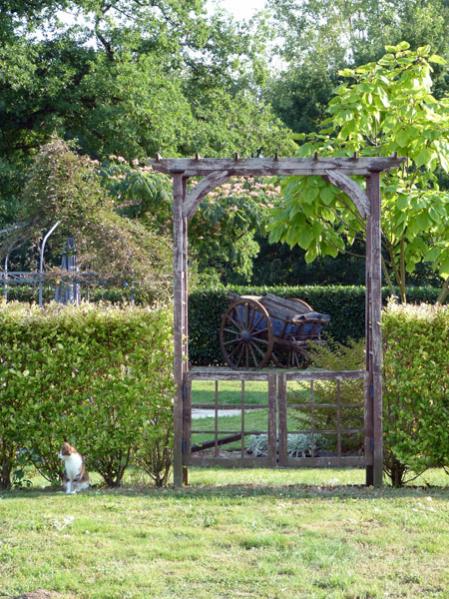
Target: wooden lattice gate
x,y
367,201
276,426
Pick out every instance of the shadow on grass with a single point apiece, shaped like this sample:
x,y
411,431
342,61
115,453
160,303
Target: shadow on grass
x,y
239,491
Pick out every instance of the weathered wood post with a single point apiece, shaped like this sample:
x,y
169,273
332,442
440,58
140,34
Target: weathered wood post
x,y
187,385
179,321
369,440
374,339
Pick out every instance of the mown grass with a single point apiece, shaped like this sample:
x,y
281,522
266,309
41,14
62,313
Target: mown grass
x,y
259,533
229,392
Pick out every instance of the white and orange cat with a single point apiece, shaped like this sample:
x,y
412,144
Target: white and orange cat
x,y
76,477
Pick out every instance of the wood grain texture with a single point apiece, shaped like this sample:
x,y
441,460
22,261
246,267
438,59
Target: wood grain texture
x,y
328,462
178,326
272,393
224,374
269,166
373,189
324,375
201,190
282,421
224,462
351,189
369,440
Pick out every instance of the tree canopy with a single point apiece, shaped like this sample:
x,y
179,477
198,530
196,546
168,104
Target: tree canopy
x,y
317,38
386,107
130,78
125,79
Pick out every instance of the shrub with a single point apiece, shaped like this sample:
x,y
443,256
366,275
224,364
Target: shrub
x,y
154,453
416,383
88,374
91,293
337,356
298,445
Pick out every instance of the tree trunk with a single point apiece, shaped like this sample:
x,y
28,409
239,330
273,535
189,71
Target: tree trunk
x,y
444,292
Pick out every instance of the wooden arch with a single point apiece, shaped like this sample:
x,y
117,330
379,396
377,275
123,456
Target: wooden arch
x,y
338,171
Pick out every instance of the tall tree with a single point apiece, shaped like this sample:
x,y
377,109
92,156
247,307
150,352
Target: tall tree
x,y
320,37
385,107
128,77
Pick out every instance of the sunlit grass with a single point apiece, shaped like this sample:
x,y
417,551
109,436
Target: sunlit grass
x,y
230,392
258,533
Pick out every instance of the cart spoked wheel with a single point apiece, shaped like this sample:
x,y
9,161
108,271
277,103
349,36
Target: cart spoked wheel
x,y
246,335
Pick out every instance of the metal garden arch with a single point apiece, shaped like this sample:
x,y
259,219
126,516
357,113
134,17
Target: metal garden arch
x,y
215,172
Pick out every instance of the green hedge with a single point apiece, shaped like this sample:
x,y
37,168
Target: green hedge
x,y
416,384
345,304
98,376
114,295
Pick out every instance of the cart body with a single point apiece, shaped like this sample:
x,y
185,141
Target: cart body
x,y
257,330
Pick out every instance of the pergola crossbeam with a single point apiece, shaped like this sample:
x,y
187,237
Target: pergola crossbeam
x,y
265,167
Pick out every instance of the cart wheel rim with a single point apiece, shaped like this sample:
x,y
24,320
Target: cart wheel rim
x,y
246,335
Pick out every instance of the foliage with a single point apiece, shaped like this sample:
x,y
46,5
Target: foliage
x,y
139,193
387,108
345,304
65,187
416,405
92,375
222,233
130,78
338,356
224,228
277,264
317,39
154,454
298,445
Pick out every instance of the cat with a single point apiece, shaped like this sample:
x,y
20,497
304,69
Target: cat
x,y
76,477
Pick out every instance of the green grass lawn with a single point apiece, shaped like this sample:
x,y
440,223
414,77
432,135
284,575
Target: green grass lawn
x,y
229,392
231,534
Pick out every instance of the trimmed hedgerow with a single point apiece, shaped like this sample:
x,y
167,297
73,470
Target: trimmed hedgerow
x,y
96,375
416,388
345,304
113,295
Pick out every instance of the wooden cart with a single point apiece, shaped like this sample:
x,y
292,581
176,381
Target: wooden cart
x,y
257,330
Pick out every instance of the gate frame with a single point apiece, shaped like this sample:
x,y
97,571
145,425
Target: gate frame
x,y
338,171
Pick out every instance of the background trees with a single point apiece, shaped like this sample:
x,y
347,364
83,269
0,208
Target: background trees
x,y
316,39
129,78
64,187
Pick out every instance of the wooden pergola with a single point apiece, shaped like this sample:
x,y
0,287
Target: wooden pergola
x,y
338,171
